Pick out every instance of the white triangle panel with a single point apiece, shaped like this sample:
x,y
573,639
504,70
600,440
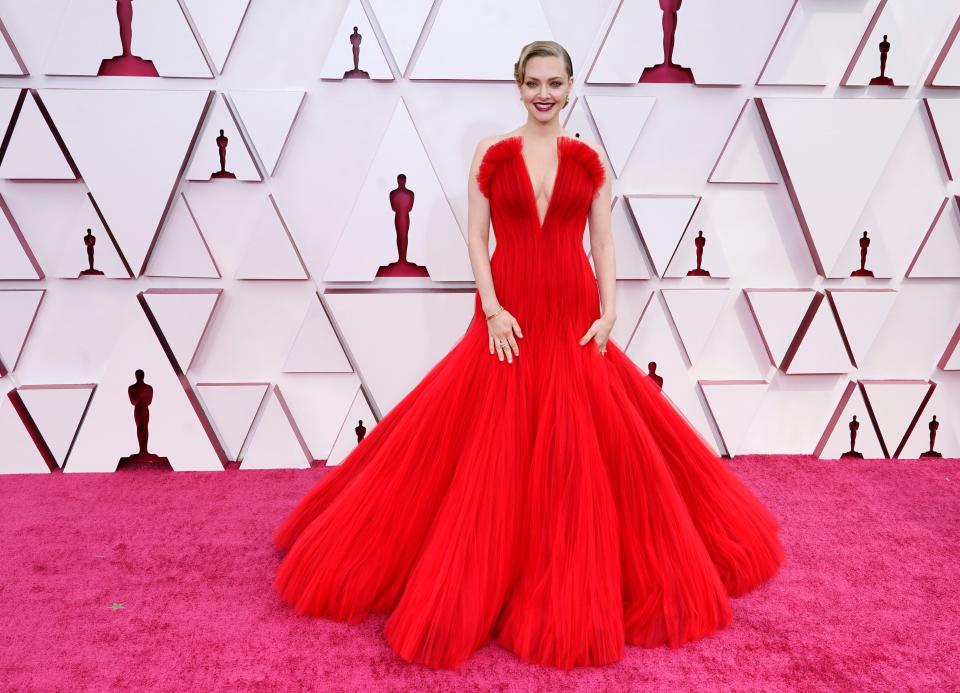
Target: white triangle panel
x,y
862,313
946,68
821,349
402,24
16,259
939,253
662,219
11,64
620,120
183,316
275,444
268,117
20,453
9,98
33,153
57,410
944,114
271,251
181,249
746,156
695,313
895,403
778,314
18,310
232,408
734,404
316,348
217,22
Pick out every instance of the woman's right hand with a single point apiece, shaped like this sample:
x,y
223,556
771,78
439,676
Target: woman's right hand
x,y
501,329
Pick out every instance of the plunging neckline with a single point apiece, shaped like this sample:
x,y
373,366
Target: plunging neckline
x,y
541,223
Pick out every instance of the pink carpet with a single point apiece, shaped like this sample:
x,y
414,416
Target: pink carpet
x,y
161,581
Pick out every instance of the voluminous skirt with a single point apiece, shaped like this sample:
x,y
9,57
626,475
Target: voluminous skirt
x,y
560,505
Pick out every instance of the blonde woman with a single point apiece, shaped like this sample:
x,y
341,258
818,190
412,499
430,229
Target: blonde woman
x,y
535,487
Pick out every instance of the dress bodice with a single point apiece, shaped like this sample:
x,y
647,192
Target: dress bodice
x,y
504,178
540,270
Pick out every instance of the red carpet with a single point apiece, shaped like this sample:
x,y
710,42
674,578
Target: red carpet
x,y
161,581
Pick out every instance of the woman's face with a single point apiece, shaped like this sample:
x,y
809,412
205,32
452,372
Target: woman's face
x,y
545,87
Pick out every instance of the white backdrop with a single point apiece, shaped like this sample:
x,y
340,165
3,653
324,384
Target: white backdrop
x,y
253,303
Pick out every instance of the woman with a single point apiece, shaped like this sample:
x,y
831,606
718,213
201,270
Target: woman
x,y
555,501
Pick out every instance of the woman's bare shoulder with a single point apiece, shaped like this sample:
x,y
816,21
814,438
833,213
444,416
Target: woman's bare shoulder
x,y
486,142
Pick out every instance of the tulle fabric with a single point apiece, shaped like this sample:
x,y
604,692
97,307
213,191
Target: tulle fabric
x,y
559,505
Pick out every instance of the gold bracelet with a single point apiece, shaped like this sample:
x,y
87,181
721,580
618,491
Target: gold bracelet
x,y
495,314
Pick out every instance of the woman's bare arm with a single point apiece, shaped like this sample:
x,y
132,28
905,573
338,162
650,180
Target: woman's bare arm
x,y
601,243
478,232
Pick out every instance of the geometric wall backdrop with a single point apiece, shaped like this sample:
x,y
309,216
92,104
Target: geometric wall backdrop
x,y
786,218
816,42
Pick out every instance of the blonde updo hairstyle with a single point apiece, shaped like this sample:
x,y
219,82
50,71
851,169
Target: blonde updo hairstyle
x,y
543,49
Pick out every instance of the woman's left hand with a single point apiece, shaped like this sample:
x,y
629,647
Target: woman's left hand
x,y
599,330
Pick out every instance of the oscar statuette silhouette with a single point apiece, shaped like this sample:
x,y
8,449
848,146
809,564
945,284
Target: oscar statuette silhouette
x,y
126,64
222,141
90,241
854,426
883,80
401,202
668,71
932,428
699,241
863,272
360,430
356,72
652,372
141,397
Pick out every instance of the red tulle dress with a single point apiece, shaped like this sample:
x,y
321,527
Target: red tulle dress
x,y
559,505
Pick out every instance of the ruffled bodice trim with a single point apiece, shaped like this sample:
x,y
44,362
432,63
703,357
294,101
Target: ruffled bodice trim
x,y
502,150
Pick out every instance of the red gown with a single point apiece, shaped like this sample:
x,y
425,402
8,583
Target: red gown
x,y
560,505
